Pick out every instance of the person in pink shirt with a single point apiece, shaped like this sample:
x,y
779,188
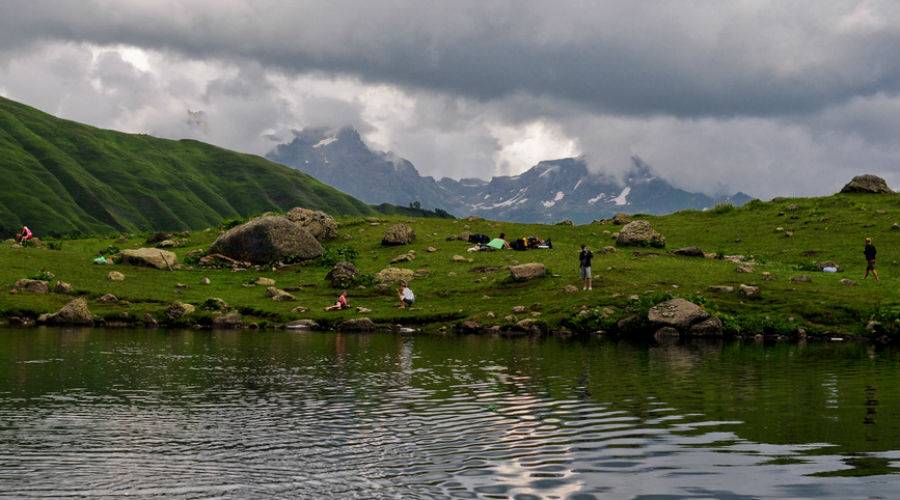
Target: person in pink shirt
x,y
24,235
340,304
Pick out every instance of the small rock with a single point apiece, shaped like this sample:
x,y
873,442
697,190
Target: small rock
x,y
181,286
848,282
788,234
227,321
431,249
519,309
299,310
363,310
177,310
115,276
750,292
204,281
767,276
744,268
279,295
490,314
357,325
149,320
689,252
721,289
108,298
525,272
458,258
608,249
570,289
403,258
64,288
895,227
32,286
302,324
267,282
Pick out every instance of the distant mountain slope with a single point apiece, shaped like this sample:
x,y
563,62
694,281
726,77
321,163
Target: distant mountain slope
x,y
548,192
63,177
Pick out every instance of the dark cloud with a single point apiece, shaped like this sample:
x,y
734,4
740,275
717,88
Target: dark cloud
x,y
705,58
770,97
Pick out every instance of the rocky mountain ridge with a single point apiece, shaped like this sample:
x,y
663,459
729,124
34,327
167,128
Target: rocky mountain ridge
x,y
548,192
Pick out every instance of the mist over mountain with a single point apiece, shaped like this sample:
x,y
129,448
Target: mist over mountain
x,y
550,191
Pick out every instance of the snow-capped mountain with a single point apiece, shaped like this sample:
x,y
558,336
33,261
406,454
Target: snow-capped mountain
x,y
548,192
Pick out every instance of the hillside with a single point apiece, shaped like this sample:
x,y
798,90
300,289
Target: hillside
x,y
780,242
62,177
548,192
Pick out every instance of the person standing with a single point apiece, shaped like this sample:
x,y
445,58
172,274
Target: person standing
x,y
584,259
870,252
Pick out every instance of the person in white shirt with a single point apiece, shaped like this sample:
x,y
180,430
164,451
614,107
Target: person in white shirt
x,y
407,298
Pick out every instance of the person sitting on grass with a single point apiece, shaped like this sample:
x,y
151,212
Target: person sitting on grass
x,y
499,243
340,304
407,298
24,235
869,251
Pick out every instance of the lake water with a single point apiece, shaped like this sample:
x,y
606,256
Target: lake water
x,y
94,413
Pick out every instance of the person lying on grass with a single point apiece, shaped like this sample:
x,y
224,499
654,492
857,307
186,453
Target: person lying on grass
x,y
340,304
407,298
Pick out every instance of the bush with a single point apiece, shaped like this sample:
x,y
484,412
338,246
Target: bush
x,y
332,256
110,250
44,275
722,208
54,245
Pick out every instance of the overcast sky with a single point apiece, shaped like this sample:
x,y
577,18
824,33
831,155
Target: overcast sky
x,y
769,97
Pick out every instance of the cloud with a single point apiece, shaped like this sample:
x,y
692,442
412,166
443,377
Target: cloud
x,y
770,97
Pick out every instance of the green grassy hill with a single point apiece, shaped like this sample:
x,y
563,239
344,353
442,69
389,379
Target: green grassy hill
x,y
62,177
784,238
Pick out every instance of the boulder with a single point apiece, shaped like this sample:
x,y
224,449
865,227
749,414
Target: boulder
x,y
152,257
640,233
356,325
689,252
267,239
867,184
177,310
342,274
227,321
721,289
677,313
620,219
406,257
115,276
214,304
710,327
750,292
63,288
322,226
75,312
279,295
32,286
394,275
525,272
108,298
398,234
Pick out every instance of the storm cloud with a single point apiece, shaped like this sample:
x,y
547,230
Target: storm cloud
x,y
771,97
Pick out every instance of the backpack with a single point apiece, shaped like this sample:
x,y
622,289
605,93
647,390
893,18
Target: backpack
x,y
519,244
479,239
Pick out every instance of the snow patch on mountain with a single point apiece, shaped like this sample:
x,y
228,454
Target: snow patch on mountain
x,y
597,198
326,141
622,199
550,170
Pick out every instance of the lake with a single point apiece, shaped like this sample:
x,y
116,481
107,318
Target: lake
x,y
193,414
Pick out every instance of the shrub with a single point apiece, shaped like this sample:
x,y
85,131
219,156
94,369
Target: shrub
x,y
332,256
44,275
110,250
722,208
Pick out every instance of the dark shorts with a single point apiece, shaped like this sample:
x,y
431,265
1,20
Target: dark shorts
x,y
408,302
870,265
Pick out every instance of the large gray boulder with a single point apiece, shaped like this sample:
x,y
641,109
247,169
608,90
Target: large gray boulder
x,y
342,274
526,272
640,233
867,184
398,234
31,286
677,313
267,239
75,312
322,226
151,257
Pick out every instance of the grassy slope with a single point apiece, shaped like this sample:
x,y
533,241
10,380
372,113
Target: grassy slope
x,y
64,177
833,226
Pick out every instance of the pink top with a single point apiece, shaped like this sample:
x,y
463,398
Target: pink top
x,y
27,232
342,301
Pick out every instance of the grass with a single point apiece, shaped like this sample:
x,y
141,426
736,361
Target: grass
x,y
824,229
64,178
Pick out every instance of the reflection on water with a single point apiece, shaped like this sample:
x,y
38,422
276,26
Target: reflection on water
x,y
198,414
